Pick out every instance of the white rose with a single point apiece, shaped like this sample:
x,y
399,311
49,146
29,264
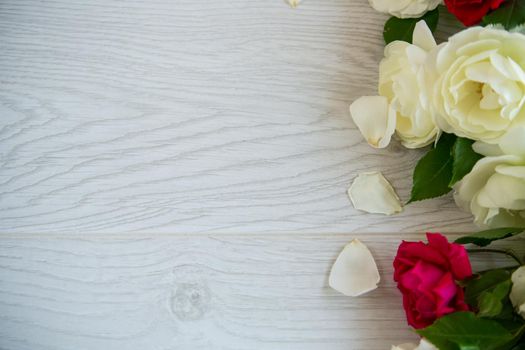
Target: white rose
x,y
517,293
402,106
480,88
423,345
401,80
405,8
494,191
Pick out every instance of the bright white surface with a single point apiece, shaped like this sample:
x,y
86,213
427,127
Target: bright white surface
x,y
192,292
125,124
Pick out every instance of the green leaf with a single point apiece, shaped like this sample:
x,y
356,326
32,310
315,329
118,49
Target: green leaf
x,y
520,345
519,342
511,14
491,302
464,159
507,317
433,172
403,29
463,330
485,282
489,293
486,237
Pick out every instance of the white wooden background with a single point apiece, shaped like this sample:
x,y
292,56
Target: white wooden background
x,y
174,173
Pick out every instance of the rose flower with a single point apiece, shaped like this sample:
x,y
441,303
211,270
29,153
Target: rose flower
x,y
471,12
426,275
479,83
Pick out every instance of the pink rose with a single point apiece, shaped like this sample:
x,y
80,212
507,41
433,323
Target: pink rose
x,y
426,275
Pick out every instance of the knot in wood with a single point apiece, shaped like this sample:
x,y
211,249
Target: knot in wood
x,y
190,301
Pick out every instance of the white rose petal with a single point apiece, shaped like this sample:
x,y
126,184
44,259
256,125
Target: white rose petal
x,y
355,271
372,193
423,345
486,149
422,36
426,345
517,293
405,8
406,346
375,119
293,3
513,142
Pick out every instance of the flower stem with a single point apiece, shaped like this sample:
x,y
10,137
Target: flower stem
x,y
497,251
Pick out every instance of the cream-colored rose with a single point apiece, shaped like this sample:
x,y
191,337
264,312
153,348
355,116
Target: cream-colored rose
x,y
401,81
494,191
480,83
423,345
405,8
403,106
517,293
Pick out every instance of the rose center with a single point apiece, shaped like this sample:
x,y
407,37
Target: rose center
x,y
489,99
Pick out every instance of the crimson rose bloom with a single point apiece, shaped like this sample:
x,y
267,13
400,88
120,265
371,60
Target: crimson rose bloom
x,y
470,12
426,275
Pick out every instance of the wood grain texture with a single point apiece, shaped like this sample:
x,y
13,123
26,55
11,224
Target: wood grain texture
x,y
173,175
179,292
227,116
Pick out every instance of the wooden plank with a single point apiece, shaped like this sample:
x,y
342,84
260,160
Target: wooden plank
x,y
194,292
190,116
126,121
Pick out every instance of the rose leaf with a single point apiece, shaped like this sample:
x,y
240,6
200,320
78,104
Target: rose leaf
x,y
489,294
491,302
403,29
433,172
520,345
463,330
485,282
486,237
464,159
511,14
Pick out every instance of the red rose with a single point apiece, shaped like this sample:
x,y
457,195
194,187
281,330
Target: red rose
x,y
470,12
426,275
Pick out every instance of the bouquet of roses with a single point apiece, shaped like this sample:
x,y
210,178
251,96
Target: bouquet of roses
x,y
464,99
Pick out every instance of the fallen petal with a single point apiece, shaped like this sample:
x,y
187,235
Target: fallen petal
x,y
355,270
293,3
372,193
375,119
406,346
423,345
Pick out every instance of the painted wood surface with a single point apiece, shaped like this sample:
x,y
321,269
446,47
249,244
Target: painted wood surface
x,y
189,116
194,292
174,173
